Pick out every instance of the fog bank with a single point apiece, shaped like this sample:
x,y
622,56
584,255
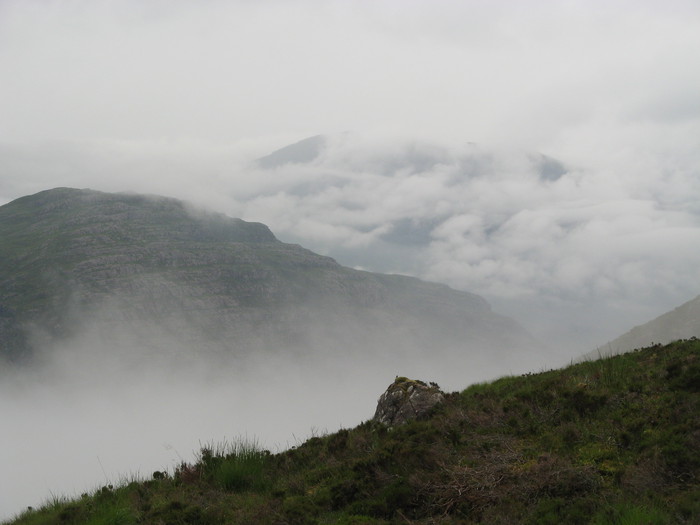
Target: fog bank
x,y
119,400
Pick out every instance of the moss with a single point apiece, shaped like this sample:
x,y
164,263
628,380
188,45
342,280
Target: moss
x,y
404,382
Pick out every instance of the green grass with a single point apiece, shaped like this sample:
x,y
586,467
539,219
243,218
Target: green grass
x,y
630,514
609,442
235,465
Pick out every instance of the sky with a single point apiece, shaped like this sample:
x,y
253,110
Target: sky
x,y
436,116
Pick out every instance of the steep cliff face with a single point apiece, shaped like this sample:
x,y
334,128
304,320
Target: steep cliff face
x,y
154,268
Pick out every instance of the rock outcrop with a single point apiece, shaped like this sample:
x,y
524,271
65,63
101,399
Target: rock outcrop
x,y
406,399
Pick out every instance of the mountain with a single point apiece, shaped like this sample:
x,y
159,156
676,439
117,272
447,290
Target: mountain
x,y
681,323
154,276
611,441
302,152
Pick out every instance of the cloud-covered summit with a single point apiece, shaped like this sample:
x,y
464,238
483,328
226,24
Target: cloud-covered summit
x,y
301,152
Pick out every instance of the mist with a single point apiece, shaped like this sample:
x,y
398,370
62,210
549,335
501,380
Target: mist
x,y
98,412
122,396
73,430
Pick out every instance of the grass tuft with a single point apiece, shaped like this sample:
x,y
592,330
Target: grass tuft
x,y
235,465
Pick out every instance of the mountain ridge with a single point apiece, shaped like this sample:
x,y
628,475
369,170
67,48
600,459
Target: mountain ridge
x,y
683,322
80,256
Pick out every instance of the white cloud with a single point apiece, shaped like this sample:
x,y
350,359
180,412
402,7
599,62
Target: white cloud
x,y
234,70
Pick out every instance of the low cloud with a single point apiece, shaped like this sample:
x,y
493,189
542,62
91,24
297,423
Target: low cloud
x,y
84,423
496,222
121,396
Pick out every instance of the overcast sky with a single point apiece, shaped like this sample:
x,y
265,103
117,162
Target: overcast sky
x,y
178,98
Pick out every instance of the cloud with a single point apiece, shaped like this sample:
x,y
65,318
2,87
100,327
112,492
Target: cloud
x,y
493,221
80,424
229,71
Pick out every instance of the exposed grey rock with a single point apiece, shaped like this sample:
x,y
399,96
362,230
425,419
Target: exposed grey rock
x,y
406,399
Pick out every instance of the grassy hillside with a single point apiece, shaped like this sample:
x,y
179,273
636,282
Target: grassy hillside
x,y
614,441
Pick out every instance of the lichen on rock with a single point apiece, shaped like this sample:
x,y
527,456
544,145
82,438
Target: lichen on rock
x,y
406,399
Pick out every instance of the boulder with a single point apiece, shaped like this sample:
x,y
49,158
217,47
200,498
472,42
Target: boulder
x,y
406,399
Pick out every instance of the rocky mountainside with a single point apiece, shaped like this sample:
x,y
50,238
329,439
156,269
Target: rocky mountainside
x,y
160,275
680,323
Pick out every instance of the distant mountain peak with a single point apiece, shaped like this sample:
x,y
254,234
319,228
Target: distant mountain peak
x,y
302,152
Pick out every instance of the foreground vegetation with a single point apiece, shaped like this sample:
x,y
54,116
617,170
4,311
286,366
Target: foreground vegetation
x,y
613,441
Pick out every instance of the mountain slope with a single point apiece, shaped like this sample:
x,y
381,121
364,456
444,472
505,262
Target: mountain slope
x,y
680,323
187,281
606,442
301,152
